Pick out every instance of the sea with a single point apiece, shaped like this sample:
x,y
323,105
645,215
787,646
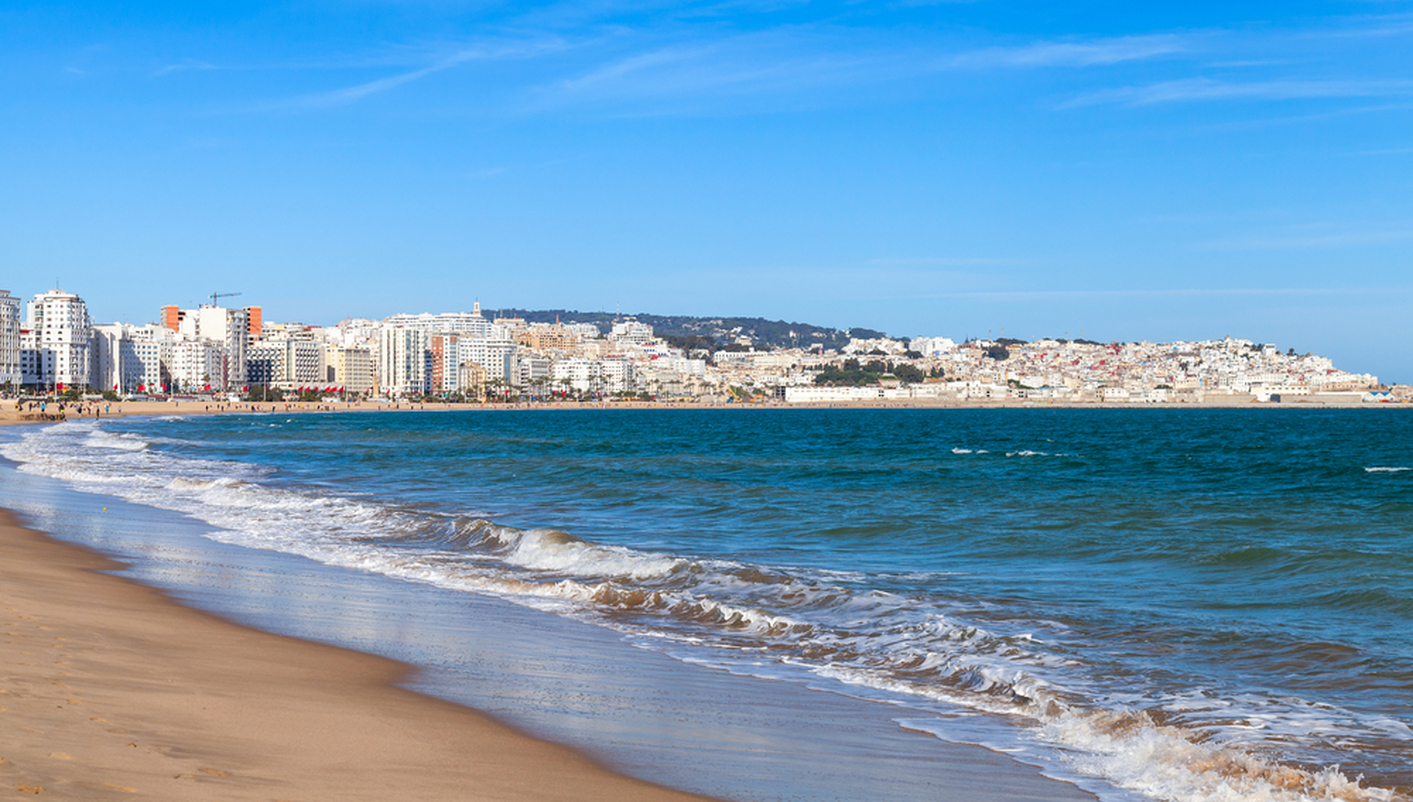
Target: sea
x,y
781,604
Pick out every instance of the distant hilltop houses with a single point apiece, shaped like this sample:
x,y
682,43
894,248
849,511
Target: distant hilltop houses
x,y
217,351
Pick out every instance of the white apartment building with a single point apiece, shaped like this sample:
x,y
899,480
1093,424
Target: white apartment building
x,y
355,332
133,359
117,363
286,362
576,373
619,375
61,330
197,365
402,361
532,372
229,328
584,331
932,346
9,341
470,325
152,348
867,346
631,331
497,356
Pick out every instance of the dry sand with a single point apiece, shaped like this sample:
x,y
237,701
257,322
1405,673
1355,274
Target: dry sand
x,y
109,689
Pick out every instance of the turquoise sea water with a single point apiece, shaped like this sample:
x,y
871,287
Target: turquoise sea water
x,y
1164,604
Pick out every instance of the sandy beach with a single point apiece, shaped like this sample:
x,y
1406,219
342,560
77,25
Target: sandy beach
x,y
88,411
111,689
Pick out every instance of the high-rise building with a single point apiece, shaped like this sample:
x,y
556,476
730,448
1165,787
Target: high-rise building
x,y
229,328
9,341
496,356
132,359
287,362
196,365
61,331
402,361
443,361
254,321
350,368
171,317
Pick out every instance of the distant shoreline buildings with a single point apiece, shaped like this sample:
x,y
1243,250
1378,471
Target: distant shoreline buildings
x,y
220,351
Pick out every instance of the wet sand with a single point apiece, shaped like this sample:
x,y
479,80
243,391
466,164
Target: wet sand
x,y
109,689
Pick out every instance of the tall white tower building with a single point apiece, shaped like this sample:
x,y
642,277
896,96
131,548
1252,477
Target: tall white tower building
x,y
402,359
62,330
9,340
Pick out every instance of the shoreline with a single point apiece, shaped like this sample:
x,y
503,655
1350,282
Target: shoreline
x,y
113,688
113,683
9,415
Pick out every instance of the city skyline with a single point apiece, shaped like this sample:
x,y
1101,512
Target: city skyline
x,y
236,354
954,169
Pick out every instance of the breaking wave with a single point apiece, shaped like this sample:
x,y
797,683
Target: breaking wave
x,y
930,650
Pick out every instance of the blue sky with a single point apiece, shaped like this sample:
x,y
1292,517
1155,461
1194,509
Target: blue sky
x,y
1116,171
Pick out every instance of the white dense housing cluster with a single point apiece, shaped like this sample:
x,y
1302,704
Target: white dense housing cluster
x,y
465,356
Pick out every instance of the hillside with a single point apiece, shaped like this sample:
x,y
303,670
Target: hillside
x,y
722,330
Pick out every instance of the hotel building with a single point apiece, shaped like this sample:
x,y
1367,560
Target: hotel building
x,y
60,329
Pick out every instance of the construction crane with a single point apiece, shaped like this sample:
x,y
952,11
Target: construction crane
x,y
216,295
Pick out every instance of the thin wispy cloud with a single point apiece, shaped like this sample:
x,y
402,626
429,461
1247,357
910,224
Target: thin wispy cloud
x,y
182,67
940,261
1191,292
1298,242
1073,54
1377,27
771,64
1206,89
350,94
806,58
357,92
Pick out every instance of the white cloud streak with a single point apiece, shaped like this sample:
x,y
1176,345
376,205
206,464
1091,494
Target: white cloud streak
x,y
803,59
1206,89
182,67
1343,239
357,92
1095,53
1172,293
